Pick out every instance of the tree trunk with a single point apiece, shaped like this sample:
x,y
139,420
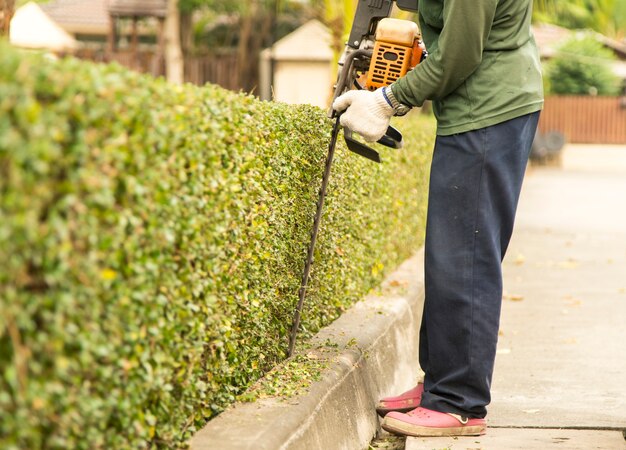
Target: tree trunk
x,y
7,8
186,33
174,64
255,32
243,50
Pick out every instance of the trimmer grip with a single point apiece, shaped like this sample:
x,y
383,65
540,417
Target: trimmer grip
x,y
392,138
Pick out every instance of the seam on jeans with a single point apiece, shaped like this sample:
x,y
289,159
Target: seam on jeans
x,y
483,143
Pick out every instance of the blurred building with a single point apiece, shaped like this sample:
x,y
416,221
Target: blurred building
x,y
298,67
100,30
130,32
32,28
61,26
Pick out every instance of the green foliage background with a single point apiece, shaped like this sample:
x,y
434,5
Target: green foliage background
x,y
582,67
604,16
152,239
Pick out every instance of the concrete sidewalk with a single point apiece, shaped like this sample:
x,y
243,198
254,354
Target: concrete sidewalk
x,y
560,379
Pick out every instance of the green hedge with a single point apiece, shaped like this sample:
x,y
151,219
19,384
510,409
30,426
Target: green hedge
x,y
152,239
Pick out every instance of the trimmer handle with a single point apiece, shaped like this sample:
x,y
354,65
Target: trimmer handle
x,y
392,139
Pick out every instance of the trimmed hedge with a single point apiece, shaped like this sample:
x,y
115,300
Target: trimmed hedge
x,y
152,239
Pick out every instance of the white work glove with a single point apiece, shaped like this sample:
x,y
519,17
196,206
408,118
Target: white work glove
x,y
367,113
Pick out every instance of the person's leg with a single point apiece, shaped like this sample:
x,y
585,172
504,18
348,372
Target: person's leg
x,y
475,183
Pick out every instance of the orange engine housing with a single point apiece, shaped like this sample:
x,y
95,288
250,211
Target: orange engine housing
x,y
389,62
397,50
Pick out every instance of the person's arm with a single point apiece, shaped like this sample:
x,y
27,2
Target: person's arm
x,y
466,27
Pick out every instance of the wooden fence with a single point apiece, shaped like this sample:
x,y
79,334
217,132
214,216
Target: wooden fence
x,y
220,68
592,120
146,62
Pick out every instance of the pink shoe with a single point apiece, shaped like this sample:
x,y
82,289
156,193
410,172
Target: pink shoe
x,y
404,402
424,422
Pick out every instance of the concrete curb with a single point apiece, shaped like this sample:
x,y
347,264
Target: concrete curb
x,y
338,411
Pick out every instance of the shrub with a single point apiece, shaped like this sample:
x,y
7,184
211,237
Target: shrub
x,y
582,67
152,239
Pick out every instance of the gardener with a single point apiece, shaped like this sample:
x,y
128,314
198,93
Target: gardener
x,y
483,76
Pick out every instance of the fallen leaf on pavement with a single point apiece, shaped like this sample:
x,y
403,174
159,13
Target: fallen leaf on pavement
x,y
396,283
513,297
572,301
569,264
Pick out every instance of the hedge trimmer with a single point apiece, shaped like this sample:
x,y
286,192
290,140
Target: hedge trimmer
x,y
378,52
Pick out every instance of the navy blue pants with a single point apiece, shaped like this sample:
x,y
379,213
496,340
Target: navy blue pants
x,y
475,182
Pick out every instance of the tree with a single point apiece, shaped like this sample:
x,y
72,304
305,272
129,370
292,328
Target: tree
x,y
338,15
7,8
174,65
254,28
582,67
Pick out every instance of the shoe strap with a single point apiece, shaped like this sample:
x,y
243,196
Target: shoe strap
x,y
460,418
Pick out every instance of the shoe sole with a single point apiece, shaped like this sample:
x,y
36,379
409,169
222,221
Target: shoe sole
x,y
383,412
406,429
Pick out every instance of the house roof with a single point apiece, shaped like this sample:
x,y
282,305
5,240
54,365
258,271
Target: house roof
x,y
153,8
549,37
310,42
33,28
79,16
92,16
618,47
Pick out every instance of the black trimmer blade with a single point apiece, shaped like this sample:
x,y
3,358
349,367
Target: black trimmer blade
x,y
360,148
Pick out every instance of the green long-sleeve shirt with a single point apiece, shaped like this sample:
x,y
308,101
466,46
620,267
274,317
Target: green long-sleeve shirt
x,y
483,66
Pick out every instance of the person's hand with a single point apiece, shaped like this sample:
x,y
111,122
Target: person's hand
x,y
367,113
